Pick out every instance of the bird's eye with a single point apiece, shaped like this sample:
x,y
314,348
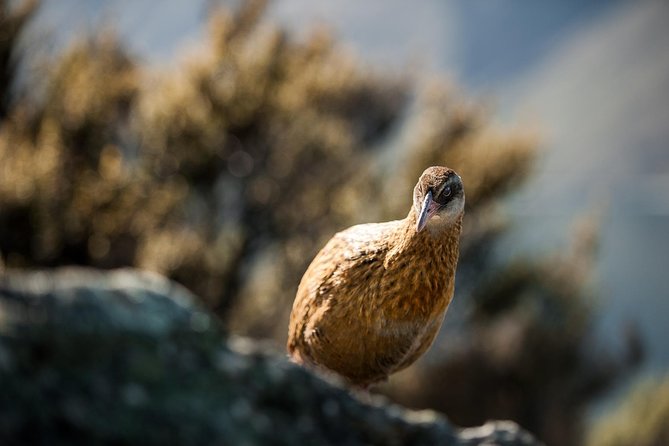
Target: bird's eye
x,y
443,196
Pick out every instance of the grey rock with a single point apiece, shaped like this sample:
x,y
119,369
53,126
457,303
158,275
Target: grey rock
x,y
127,357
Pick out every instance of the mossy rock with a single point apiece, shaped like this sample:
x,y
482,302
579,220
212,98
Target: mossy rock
x,y
127,357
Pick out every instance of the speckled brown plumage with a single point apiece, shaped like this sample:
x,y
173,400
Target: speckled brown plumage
x,y
374,298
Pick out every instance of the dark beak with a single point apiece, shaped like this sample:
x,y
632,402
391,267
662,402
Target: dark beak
x,y
427,210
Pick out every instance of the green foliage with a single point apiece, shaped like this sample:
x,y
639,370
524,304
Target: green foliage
x,y
230,170
640,421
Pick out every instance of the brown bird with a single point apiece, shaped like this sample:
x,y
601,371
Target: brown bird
x,y
374,298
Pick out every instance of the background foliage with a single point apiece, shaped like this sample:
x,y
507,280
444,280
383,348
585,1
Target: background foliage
x,y
641,420
229,170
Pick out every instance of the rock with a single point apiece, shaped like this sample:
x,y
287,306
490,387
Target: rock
x,y
128,357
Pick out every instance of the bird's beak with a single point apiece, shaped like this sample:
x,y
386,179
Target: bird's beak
x,y
427,210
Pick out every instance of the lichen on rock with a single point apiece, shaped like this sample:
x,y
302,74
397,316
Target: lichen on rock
x,y
127,357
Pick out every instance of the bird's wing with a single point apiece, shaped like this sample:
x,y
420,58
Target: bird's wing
x,y
345,250
331,300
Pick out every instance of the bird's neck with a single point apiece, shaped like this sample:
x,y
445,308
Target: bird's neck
x,y
426,261
433,243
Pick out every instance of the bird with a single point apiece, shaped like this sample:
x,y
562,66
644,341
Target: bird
x,y
374,298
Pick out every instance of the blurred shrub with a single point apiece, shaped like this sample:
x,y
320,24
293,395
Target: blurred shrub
x,y
229,171
642,419
12,21
526,350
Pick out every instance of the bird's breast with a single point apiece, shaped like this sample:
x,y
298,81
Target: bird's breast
x,y
414,291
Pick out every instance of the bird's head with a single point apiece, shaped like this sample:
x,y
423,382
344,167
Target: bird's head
x,y
438,198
